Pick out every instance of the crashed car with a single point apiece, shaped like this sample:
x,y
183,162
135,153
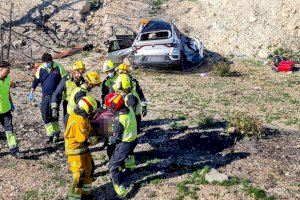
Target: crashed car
x,y
158,43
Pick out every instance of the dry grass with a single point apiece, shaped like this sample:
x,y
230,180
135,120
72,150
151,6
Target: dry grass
x,y
267,96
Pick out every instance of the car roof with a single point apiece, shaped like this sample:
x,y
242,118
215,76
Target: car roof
x,y
156,25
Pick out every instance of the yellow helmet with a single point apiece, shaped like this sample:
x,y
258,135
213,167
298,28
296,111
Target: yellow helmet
x,y
108,65
123,68
78,65
93,78
123,82
88,104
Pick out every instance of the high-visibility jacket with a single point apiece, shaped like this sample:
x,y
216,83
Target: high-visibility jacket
x,y
65,89
130,127
107,84
5,104
125,126
77,131
70,86
136,104
136,88
49,78
77,93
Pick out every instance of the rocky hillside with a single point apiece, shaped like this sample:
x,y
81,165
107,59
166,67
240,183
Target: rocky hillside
x,y
238,28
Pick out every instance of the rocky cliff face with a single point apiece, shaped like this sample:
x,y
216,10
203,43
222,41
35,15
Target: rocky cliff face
x,y
239,27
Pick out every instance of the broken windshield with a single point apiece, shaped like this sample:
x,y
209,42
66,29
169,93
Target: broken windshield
x,y
155,35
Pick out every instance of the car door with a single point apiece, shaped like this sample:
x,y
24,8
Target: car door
x,y
120,43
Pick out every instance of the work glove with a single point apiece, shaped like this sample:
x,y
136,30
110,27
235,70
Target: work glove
x,y
12,107
144,111
30,96
54,110
92,140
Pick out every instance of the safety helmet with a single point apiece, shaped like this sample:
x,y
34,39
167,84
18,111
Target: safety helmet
x,y
123,82
123,68
78,65
113,101
88,104
93,78
108,65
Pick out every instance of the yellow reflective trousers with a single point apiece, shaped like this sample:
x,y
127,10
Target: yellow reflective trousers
x,y
82,167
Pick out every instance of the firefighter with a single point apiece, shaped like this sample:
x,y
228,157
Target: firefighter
x,y
109,70
49,75
124,86
122,142
65,89
92,79
78,137
135,88
6,107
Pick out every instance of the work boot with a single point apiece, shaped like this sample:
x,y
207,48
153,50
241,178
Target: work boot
x,y
55,139
49,139
120,190
18,154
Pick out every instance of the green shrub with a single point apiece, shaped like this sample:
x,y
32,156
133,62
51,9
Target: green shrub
x,y
245,125
30,195
205,122
222,69
178,126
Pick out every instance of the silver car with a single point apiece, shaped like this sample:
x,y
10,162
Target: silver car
x,y
159,44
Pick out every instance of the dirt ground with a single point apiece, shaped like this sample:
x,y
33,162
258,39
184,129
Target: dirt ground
x,y
172,145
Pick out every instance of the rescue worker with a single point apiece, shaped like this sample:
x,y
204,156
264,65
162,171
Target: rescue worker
x,y
78,137
6,107
65,89
92,79
124,86
135,88
109,70
49,75
122,142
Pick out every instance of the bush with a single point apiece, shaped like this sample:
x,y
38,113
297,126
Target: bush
x,y
245,125
222,69
206,122
178,126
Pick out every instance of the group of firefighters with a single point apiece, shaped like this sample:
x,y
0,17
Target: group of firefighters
x,y
121,94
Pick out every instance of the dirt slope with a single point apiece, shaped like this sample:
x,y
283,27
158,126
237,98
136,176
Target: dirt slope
x,y
239,28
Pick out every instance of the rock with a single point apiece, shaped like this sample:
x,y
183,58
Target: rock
x,y
258,88
86,8
231,130
252,19
19,43
214,175
263,54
